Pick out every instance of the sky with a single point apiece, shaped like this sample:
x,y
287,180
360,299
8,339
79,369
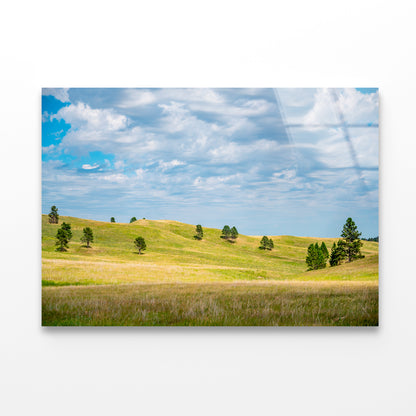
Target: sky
x,y
268,161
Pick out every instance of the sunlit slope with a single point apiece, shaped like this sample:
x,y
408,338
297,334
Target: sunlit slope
x,y
174,255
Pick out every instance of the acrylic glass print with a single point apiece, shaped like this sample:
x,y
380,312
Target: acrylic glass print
x,y
207,207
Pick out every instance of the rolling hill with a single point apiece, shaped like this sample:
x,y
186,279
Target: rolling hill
x,y
182,281
173,255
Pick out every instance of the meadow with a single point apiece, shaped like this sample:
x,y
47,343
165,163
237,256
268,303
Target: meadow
x,y
182,281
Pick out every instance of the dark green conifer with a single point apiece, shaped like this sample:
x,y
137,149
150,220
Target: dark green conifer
x,y
353,244
199,232
53,215
61,240
88,236
324,250
140,244
226,232
234,233
264,243
67,228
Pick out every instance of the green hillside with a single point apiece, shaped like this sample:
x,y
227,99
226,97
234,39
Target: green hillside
x,y
174,255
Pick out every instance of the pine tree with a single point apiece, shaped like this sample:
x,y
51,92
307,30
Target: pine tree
x,y
140,244
324,251
133,219
88,236
333,260
264,243
112,219
62,240
315,259
234,233
199,232
226,232
270,245
321,261
338,253
53,215
67,228
353,244
311,257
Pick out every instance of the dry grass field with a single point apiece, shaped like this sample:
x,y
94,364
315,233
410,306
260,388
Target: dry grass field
x,y
182,281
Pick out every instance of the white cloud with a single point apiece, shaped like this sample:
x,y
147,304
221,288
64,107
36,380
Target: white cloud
x,y
335,152
116,177
177,117
240,108
48,149
297,97
218,182
60,94
169,165
82,115
284,175
119,164
89,167
191,95
323,111
233,152
136,98
356,107
140,173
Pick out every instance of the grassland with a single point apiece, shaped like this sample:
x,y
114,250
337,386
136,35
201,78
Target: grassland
x,y
182,281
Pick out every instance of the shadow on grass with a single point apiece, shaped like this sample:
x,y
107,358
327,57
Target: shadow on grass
x,y
229,239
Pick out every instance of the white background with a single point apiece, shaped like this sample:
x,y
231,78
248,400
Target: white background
x,y
287,371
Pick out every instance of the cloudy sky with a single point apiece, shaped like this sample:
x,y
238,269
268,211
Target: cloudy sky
x,y
269,161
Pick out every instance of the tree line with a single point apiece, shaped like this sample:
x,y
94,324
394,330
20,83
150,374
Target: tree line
x,y
371,239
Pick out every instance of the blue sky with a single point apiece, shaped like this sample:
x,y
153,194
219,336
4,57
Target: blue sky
x,y
269,161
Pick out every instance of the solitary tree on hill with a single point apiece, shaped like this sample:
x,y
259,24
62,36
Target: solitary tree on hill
x,y
67,228
88,236
234,233
133,219
199,232
353,244
53,215
264,243
140,244
112,219
61,240
226,232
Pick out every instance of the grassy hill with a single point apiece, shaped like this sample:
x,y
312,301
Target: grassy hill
x,y
173,255
182,281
